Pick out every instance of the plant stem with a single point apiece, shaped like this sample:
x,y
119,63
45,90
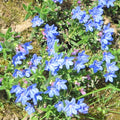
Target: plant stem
x,y
95,91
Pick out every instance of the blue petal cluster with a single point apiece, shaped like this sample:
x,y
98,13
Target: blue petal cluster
x,y
111,67
107,3
81,60
54,64
60,1
17,59
71,107
35,61
29,108
50,33
80,15
22,50
24,95
36,21
107,57
109,77
96,66
95,21
106,38
27,72
57,62
17,73
67,62
1,47
59,106
83,108
96,13
57,86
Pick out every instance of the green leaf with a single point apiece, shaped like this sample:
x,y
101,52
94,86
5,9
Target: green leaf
x,y
2,87
84,40
11,38
37,9
27,16
25,7
29,6
74,43
45,11
4,54
56,47
8,31
2,35
8,94
69,53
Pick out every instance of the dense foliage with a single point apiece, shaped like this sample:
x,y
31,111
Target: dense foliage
x,y
76,59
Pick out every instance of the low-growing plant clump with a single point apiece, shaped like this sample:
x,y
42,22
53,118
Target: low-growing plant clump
x,y
74,73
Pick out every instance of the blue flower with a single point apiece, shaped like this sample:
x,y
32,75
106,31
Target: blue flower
x,y
1,47
68,61
104,46
76,13
104,40
111,68
89,25
83,108
96,66
33,68
96,13
52,91
108,3
29,108
51,41
32,90
54,64
80,15
98,10
50,44
37,21
51,50
60,1
22,97
36,60
107,29
109,77
84,18
50,31
71,107
98,25
60,84
82,57
27,72
37,97
18,73
59,106
79,65
107,57
106,37
16,89
27,47
17,58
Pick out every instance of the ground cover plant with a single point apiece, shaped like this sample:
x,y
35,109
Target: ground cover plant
x,y
73,73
